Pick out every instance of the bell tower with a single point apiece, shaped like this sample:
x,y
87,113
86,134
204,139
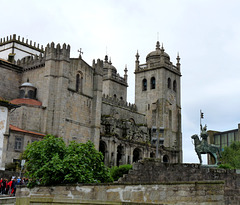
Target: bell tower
x,y
158,96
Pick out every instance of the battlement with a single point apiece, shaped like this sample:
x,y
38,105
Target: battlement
x,y
28,43
30,62
58,52
98,67
119,102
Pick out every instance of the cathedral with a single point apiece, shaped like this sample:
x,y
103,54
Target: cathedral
x,y
44,91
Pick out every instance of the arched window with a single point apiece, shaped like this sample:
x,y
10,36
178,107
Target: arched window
x,y
120,149
169,83
144,84
175,85
21,94
153,83
136,154
103,149
31,94
77,82
165,159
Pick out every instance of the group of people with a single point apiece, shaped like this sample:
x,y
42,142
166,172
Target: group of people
x,y
8,187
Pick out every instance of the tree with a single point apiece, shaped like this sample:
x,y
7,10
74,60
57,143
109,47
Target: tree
x,y
51,162
231,156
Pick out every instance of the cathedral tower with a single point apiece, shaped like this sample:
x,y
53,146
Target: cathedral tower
x,y
158,96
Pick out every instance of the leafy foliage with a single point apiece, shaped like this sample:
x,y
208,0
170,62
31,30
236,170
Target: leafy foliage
x,y
51,162
231,156
117,172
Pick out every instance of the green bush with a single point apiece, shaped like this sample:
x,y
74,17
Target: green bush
x,y
117,172
225,166
231,156
50,162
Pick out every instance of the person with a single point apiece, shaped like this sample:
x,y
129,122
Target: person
x,y
1,180
13,186
4,186
9,187
18,181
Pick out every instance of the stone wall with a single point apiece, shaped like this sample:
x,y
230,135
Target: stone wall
x,y
161,193
153,171
10,80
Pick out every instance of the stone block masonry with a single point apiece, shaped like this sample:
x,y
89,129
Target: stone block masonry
x,y
207,193
153,171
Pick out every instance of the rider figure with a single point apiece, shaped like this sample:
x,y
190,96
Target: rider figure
x,y
204,136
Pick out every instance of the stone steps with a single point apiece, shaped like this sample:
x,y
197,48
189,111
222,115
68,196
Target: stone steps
x,y
7,200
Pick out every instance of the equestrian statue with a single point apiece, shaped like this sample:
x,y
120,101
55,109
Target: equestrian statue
x,y
202,146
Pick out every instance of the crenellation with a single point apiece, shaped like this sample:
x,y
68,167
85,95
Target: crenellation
x,y
31,62
56,52
119,102
14,38
98,67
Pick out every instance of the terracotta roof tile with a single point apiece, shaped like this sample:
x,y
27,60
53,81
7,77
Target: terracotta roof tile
x,y
14,128
26,101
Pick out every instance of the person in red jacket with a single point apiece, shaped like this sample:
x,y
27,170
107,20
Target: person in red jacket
x,y
9,186
1,180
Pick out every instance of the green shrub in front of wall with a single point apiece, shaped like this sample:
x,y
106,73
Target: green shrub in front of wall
x,y
117,172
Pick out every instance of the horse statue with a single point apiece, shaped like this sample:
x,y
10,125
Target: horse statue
x,y
202,147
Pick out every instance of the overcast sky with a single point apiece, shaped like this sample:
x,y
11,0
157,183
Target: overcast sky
x,y
206,33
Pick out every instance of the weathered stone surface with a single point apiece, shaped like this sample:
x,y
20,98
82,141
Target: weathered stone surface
x,y
151,171
161,193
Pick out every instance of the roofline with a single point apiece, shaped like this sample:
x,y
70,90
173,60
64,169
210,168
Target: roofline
x,y
10,66
17,129
8,105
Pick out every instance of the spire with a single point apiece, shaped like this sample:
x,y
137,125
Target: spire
x,y
125,75
137,56
137,61
178,62
110,62
157,45
162,48
106,59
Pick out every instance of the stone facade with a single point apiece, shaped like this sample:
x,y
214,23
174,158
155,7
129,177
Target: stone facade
x,y
5,108
157,94
68,98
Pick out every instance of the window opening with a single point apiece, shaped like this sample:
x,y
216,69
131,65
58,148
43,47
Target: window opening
x,y
18,143
144,85
169,83
153,83
174,85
